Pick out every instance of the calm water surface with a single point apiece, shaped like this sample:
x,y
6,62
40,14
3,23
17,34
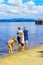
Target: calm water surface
x,y
9,29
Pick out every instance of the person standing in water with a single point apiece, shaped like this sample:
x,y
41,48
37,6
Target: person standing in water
x,y
18,36
22,41
26,37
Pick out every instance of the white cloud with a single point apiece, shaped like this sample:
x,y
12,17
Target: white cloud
x,y
30,3
1,1
15,2
14,11
20,9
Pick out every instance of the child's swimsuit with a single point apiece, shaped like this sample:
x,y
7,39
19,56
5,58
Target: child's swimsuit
x,y
22,41
25,35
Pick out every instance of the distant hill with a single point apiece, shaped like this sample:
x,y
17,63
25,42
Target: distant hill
x,y
17,20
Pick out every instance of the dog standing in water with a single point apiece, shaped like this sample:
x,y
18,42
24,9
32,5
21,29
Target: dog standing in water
x,y
11,43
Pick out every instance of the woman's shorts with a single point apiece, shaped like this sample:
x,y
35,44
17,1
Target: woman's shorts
x,y
18,38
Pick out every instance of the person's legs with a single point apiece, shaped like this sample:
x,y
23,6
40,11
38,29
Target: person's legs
x,y
26,43
22,47
19,47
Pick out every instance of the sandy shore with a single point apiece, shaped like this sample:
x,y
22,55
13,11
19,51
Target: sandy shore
x,y
33,56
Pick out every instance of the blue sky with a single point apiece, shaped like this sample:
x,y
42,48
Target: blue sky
x,y
21,9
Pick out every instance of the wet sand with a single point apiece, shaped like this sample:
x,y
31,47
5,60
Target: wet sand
x,y
33,56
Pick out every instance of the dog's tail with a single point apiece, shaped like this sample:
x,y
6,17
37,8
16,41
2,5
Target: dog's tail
x,y
7,43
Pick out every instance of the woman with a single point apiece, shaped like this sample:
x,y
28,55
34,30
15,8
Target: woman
x,y
18,36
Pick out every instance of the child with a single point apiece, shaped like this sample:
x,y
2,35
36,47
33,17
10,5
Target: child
x,y
26,37
22,40
11,43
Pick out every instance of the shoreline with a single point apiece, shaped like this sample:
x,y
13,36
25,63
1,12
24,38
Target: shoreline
x,y
6,53
33,56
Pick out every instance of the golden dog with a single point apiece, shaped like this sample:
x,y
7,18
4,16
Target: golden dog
x,y
11,43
